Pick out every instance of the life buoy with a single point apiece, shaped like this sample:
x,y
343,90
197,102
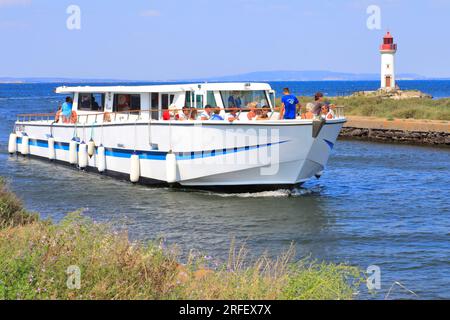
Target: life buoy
x,y
73,117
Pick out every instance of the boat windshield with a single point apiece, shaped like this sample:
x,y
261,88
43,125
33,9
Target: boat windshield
x,y
240,99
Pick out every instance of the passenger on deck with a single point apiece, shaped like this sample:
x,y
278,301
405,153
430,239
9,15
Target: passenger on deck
x,y
216,115
326,112
318,103
309,114
234,101
85,102
289,105
193,114
253,113
95,106
66,110
185,114
264,115
207,113
170,113
233,115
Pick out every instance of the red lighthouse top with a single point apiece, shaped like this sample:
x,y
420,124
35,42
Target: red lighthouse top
x,y
388,43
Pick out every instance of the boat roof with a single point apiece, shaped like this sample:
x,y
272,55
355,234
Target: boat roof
x,y
228,86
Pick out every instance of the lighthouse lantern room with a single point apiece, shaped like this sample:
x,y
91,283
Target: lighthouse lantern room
x,y
388,50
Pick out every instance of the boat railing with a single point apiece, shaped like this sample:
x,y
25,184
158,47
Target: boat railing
x,y
29,117
339,112
136,115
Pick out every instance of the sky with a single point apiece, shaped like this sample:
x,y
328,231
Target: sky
x,y
186,39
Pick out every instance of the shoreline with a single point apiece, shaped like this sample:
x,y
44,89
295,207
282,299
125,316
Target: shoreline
x,y
406,131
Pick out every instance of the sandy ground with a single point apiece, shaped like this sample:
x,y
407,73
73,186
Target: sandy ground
x,y
398,124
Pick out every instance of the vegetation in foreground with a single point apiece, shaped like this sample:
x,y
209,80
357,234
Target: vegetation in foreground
x,y
426,109
35,256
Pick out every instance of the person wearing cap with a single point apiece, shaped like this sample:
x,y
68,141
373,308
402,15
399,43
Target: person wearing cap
x,y
206,114
289,105
170,113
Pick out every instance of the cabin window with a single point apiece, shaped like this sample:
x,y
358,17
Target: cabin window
x,y
194,100
241,99
127,102
155,105
91,101
166,100
188,101
211,99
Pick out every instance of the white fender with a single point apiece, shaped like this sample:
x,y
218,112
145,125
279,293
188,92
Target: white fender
x,y
171,168
73,152
12,145
25,145
51,148
82,155
101,159
91,148
135,168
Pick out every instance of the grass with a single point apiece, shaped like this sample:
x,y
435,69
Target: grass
x,y
428,109
35,256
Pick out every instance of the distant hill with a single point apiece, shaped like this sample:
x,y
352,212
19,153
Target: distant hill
x,y
57,80
261,76
308,76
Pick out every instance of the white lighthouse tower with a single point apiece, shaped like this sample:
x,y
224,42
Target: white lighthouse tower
x,y
388,50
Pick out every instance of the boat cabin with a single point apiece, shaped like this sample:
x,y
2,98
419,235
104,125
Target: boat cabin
x,y
153,100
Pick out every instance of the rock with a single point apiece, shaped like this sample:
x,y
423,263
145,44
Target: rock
x,y
395,94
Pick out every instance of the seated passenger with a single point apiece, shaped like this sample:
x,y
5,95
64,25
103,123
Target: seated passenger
x,y
326,113
185,114
233,115
85,102
95,106
123,103
206,114
170,113
216,115
309,114
264,115
318,103
193,115
253,113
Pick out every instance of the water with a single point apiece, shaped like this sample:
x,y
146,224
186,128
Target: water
x,y
377,204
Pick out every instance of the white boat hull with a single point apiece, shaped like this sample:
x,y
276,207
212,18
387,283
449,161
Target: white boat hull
x,y
260,155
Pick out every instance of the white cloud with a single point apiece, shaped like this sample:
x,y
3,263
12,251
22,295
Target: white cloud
x,y
149,13
10,3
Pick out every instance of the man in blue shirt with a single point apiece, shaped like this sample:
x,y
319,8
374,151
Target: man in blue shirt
x,y
289,105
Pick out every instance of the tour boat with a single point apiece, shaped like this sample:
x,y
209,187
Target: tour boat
x,y
120,131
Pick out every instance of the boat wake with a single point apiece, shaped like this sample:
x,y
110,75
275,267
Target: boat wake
x,y
281,193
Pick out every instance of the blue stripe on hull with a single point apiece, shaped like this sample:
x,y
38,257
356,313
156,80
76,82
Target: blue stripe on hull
x,y
152,155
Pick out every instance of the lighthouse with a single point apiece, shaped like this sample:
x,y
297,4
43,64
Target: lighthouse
x,y
388,50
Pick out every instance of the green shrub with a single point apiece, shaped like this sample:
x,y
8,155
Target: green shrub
x,y
12,212
35,256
